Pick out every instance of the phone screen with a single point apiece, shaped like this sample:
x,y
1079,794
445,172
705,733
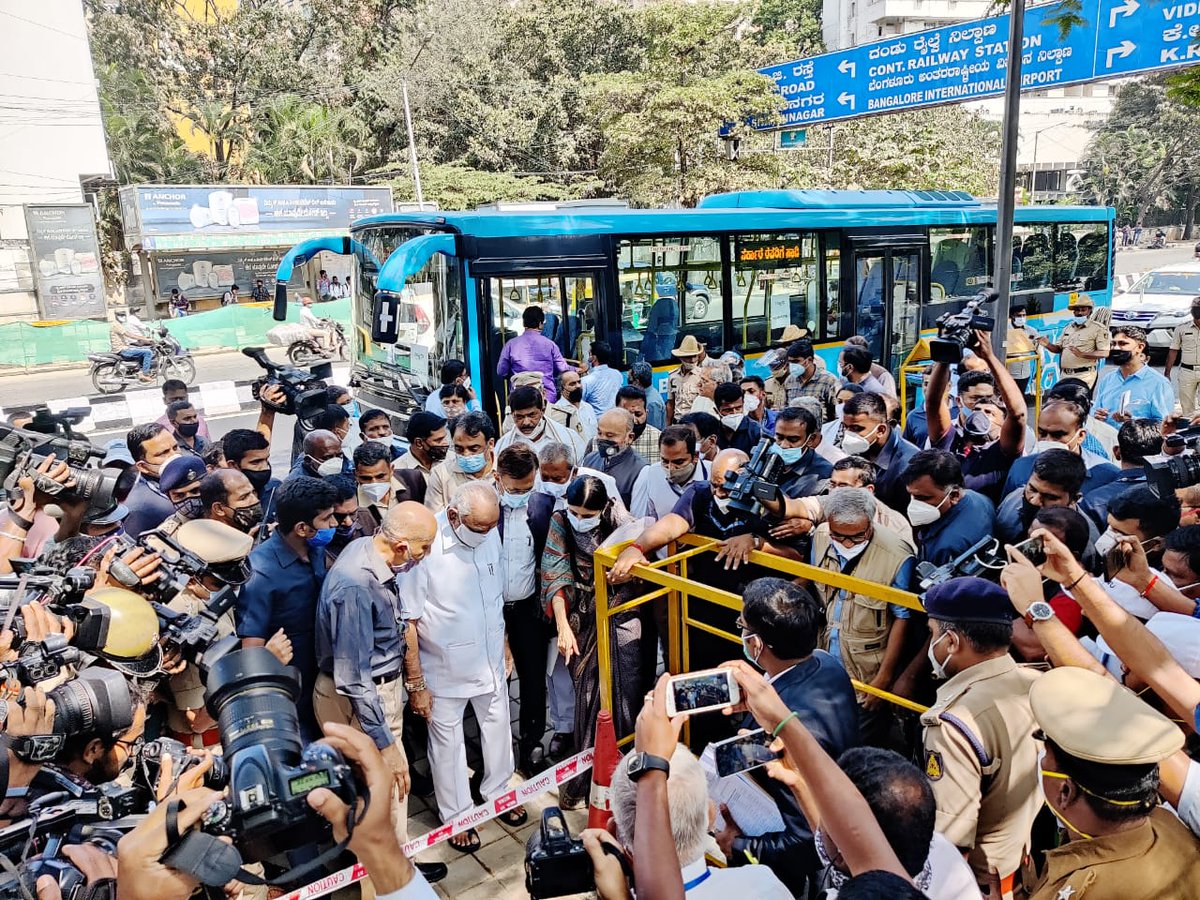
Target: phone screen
x,y
705,689
746,751
1034,550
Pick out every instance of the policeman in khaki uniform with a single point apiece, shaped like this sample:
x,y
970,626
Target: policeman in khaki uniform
x,y
977,747
1185,350
683,384
1099,774
1084,342
776,361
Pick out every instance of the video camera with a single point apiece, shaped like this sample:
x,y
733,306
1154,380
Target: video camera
x,y
984,559
757,481
956,331
304,394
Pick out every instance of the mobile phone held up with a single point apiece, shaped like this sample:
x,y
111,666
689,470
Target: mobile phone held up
x,y
1033,550
695,692
746,751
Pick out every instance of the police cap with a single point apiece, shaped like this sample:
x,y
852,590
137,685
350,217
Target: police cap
x,y
969,599
182,471
214,542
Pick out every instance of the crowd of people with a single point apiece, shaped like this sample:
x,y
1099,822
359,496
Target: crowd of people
x,y
409,577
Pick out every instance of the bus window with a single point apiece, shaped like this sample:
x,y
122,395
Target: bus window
x,y
835,321
958,261
670,287
1033,257
776,284
430,327
1087,266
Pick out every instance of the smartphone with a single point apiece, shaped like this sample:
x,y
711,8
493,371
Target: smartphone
x,y
1033,549
746,751
696,692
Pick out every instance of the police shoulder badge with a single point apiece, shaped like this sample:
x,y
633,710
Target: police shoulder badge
x,y
933,765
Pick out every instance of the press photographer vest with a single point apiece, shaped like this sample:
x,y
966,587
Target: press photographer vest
x,y
864,622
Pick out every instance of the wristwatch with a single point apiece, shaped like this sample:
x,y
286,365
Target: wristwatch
x,y
641,763
1040,611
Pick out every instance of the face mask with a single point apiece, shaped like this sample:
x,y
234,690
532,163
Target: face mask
x,y
188,431
1081,314
849,553
258,479
855,444
375,492
437,454
554,489
838,408
515,501
576,395
1042,446
346,531
325,468
191,508
537,432
1019,321
682,475
750,403
1106,542
583,526
321,538
1120,357
472,464
608,449
733,420
407,566
939,668
797,369
639,429
388,441
791,456
687,368
1196,313
351,409
246,517
1042,771
921,513
722,503
469,538
753,660
156,471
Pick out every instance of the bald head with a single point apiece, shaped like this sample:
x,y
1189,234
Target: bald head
x,y
476,505
322,445
616,419
614,431
409,521
726,461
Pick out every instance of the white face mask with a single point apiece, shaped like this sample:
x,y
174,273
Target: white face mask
x,y
837,410
939,668
922,513
854,444
553,488
722,503
849,553
469,538
1019,321
375,492
331,466
750,403
583,526
1106,542
1042,446
733,420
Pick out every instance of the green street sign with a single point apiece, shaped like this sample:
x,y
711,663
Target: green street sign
x,y
789,140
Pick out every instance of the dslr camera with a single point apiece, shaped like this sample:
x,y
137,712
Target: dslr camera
x,y
1174,472
269,770
956,331
557,864
757,481
304,394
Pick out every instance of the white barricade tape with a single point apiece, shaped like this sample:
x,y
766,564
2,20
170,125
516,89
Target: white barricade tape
x,y
552,778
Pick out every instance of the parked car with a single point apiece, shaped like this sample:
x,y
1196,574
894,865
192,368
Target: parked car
x,y
1159,302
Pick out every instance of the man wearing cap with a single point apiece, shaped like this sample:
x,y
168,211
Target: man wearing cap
x,y
1185,351
180,481
683,385
1083,343
1099,774
977,751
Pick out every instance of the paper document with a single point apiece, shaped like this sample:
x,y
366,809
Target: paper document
x,y
755,812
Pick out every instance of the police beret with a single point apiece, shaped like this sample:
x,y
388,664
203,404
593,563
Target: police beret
x,y
214,542
1093,718
969,600
182,471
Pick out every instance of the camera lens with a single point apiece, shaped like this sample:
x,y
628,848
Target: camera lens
x,y
96,701
252,695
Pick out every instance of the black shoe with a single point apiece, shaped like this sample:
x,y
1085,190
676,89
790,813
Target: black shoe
x,y
532,762
421,785
433,872
561,744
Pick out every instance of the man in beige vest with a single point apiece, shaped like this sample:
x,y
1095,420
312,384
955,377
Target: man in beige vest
x,y
979,754
866,634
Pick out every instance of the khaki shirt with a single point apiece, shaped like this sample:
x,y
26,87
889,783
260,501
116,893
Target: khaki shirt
x,y
187,688
1090,337
1186,340
1159,858
445,480
683,389
986,807
776,392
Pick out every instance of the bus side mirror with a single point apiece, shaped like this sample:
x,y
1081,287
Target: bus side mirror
x,y
279,314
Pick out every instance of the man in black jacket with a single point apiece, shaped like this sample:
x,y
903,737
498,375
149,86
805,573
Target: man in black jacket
x,y
780,624
524,524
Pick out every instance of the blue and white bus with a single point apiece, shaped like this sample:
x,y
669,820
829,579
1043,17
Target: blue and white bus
x,y
734,272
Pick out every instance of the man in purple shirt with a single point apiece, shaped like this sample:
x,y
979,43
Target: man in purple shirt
x,y
532,351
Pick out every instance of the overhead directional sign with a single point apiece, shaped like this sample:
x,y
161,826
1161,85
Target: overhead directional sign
x,y
968,61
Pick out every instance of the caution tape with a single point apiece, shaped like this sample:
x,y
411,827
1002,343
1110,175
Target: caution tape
x,y
527,790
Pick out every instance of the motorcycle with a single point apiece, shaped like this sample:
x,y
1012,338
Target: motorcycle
x,y
112,373
306,351
1159,242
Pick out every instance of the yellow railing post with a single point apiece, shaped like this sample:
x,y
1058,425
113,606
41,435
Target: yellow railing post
x,y
603,643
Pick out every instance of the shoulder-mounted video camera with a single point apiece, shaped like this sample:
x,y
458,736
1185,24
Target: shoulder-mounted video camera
x,y
956,331
304,394
757,481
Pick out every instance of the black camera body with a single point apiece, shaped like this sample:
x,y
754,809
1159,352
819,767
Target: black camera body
x,y
270,773
40,661
556,864
192,635
304,393
148,765
982,559
956,331
757,481
1168,475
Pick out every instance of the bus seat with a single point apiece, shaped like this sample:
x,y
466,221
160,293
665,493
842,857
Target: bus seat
x,y
945,274
552,327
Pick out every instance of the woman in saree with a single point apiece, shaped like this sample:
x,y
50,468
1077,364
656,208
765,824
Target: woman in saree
x,y
569,597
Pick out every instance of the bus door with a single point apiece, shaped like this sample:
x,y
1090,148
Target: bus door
x,y
885,279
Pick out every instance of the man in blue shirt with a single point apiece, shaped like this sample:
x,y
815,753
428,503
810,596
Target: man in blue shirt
x,y
1061,425
755,390
249,452
454,371
738,430
600,385
1056,480
868,432
642,375
287,571
946,518
805,473
1133,390
1136,440
151,447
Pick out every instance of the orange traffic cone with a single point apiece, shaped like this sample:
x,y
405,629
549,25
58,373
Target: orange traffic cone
x,y
603,764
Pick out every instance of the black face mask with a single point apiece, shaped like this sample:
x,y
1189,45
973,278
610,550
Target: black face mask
x,y
188,431
1120,357
191,508
258,479
608,449
638,430
576,395
244,518
437,454
1028,513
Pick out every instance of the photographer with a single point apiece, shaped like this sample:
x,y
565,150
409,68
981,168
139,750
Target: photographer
x,y
25,508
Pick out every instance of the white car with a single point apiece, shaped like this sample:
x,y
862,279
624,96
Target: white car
x,y
1159,302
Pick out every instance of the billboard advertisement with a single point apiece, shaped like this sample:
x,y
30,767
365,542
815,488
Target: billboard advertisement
x,y
66,260
210,274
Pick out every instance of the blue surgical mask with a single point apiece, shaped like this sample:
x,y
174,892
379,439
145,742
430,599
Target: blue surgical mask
x,y
796,369
582,525
472,464
351,409
322,538
515,501
790,455
746,650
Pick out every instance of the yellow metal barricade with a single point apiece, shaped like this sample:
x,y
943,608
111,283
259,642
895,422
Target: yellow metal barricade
x,y
916,364
668,578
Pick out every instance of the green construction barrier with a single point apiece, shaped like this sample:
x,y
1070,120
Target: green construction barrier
x,y
232,327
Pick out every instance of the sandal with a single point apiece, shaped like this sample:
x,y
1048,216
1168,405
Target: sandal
x,y
473,843
515,818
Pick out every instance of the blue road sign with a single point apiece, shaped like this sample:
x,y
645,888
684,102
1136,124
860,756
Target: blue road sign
x,y
791,139
968,61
